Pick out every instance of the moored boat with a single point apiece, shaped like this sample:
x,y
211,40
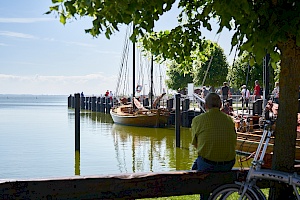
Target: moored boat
x,y
135,113
126,115
249,136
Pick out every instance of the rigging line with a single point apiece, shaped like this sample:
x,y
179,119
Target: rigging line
x,y
140,68
207,70
143,73
160,79
123,59
203,81
125,78
125,68
247,77
235,54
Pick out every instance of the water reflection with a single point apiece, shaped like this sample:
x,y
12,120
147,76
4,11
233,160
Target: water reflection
x,y
77,163
151,149
97,116
114,148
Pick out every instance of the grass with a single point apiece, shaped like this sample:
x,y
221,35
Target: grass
x,y
185,197
197,196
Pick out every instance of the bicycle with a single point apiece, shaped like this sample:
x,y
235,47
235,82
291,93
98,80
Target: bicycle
x,y
248,189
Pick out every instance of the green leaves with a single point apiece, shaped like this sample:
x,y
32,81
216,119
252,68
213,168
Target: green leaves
x,y
57,1
62,18
258,26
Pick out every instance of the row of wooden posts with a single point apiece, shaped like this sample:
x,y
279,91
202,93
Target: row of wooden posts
x,y
93,103
104,104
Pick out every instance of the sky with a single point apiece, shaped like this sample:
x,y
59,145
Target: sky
x,y
39,55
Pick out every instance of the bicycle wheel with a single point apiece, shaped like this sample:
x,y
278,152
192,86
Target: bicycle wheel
x,y
232,191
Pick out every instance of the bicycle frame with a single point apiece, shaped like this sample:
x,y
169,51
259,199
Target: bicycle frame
x,y
255,171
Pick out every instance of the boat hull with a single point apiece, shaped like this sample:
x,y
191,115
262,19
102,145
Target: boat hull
x,y
146,119
247,143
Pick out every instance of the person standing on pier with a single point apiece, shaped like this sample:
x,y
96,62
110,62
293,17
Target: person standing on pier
x,y
276,93
214,137
204,92
245,97
110,95
225,92
106,93
256,92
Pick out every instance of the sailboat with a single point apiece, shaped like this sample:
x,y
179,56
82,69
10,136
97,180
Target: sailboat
x,y
134,113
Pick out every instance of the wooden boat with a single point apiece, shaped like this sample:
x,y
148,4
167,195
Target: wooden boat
x,y
126,115
135,114
248,138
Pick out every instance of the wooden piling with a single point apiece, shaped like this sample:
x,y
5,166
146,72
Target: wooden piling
x,y
82,103
185,114
177,119
98,104
77,163
77,122
93,104
70,101
170,104
107,105
87,103
102,105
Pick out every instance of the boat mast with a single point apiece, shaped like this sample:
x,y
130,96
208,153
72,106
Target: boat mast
x,y
133,67
151,83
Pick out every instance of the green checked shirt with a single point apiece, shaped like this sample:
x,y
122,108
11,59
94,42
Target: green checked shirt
x,y
213,133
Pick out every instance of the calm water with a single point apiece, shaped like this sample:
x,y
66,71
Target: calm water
x,y
37,140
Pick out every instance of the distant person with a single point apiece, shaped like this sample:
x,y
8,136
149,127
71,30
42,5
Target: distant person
x,y
106,93
276,93
227,109
110,95
225,92
245,97
82,95
204,92
256,92
214,137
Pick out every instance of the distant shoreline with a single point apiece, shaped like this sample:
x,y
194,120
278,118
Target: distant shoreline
x,y
66,95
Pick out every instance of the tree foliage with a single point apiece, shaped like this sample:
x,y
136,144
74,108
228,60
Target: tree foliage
x,y
210,66
259,26
207,67
242,73
176,78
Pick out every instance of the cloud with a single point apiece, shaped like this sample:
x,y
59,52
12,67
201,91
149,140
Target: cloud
x,y
79,44
96,84
109,52
16,34
25,20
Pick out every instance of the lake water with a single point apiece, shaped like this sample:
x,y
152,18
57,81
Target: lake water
x,y
38,140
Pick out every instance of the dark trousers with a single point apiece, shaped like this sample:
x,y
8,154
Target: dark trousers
x,y
246,102
204,165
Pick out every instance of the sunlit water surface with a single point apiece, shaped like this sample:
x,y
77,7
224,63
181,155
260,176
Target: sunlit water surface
x,y
38,140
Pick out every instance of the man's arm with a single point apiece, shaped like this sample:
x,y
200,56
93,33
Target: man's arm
x,y
194,138
194,142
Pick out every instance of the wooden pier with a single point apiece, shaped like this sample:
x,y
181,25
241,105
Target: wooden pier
x,y
104,104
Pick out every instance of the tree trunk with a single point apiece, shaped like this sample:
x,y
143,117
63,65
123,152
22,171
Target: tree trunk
x,y
286,123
